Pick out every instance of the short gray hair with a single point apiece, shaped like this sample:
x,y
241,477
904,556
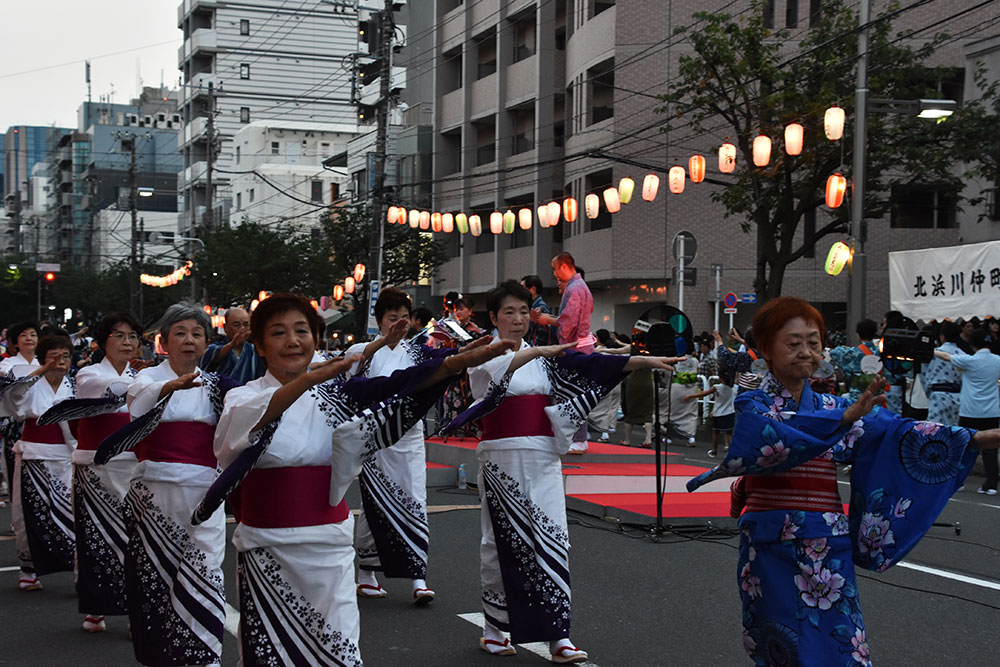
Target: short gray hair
x,y
180,312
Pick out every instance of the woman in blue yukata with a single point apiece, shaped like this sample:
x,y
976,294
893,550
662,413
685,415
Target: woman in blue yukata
x,y
798,549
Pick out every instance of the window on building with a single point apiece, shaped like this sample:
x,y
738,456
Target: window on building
x,y
450,70
568,116
559,120
792,14
486,147
446,6
237,155
486,53
316,234
239,200
768,10
448,160
334,192
316,193
244,114
244,26
560,31
244,70
602,6
597,182
359,185
815,12
522,122
923,206
250,196
602,91
524,36
324,149
275,148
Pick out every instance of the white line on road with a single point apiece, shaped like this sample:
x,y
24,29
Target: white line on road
x,y
985,583
10,569
538,648
232,620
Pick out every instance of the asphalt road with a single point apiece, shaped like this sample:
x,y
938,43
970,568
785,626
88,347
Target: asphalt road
x,y
636,600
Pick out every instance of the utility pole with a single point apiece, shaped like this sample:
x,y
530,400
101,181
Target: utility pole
x,y
386,30
209,195
856,297
128,142
142,262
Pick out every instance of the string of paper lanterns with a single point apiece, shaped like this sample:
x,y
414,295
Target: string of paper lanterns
x,y
170,279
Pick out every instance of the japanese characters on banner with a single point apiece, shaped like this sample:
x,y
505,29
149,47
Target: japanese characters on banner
x,y
938,283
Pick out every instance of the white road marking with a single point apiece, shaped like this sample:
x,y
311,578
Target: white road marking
x,y
538,648
232,620
965,579
10,569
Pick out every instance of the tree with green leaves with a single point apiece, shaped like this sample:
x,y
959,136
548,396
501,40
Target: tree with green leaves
x,y
744,79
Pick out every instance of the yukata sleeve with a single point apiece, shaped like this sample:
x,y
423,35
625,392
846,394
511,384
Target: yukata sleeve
x,y
490,381
209,357
14,397
739,362
143,394
579,382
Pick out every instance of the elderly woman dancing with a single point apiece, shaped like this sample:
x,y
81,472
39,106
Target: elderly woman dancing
x,y
798,549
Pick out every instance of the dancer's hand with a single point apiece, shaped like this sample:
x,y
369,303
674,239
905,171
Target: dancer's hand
x,y
866,402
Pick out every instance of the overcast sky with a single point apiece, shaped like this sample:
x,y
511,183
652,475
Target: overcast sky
x,y
44,43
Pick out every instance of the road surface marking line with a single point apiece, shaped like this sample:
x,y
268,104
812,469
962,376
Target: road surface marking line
x,y
965,579
232,620
10,569
540,649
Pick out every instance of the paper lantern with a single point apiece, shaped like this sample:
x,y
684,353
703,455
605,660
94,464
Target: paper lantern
x,y
837,258
314,303
554,211
425,220
696,168
392,215
475,225
435,222
254,304
592,206
324,303
675,179
611,200
650,186
509,222
833,123
727,158
543,216
207,309
261,295
836,186
625,188
462,223
496,222
338,292
401,215
447,223
524,218
761,150
414,219
793,138
349,284
359,272
569,209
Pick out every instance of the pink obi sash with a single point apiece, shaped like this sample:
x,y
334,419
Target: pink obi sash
x,y
90,431
290,497
518,417
179,442
46,435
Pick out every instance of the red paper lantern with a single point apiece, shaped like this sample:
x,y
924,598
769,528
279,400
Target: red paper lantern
x,y
696,168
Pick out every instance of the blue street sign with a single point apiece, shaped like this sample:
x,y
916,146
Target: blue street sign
x,y
730,300
748,297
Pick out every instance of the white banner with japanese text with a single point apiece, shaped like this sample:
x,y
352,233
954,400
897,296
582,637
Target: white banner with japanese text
x,y
961,281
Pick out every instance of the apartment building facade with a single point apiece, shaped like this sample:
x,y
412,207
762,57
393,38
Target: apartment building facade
x,y
542,99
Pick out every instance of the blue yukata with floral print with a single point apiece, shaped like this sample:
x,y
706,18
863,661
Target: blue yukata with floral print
x,y
796,568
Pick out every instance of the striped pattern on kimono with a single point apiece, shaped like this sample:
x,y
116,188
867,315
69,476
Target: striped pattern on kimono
x,y
398,524
102,538
48,517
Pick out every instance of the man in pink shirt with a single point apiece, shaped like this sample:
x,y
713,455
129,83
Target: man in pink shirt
x,y
573,322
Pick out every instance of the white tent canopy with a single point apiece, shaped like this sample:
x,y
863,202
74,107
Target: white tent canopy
x,y
960,281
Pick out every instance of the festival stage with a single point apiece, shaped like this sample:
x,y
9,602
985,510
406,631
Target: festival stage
x,y
609,481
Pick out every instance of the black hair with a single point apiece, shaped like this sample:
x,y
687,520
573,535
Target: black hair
x,y
52,342
978,338
423,314
505,289
893,319
603,337
391,298
866,329
279,304
107,325
952,332
462,302
450,298
532,281
15,330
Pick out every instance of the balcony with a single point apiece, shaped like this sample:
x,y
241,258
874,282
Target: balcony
x,y
203,40
195,173
192,131
188,6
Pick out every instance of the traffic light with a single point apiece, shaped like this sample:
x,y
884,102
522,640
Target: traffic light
x,y
369,72
369,33
366,113
50,277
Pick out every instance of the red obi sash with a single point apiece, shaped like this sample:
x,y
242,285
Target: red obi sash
x,y
90,431
518,417
179,442
811,486
290,497
46,435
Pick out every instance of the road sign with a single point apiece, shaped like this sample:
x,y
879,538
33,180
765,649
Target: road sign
x,y
690,276
729,311
46,266
748,297
372,296
690,247
730,301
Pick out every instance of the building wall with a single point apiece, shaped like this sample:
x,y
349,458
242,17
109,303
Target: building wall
x,y
157,230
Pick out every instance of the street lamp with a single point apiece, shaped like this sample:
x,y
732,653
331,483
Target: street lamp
x,y
145,192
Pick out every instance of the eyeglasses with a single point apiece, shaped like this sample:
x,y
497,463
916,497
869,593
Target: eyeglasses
x,y
119,336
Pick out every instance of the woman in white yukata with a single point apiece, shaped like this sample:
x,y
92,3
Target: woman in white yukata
x,y
41,500
22,339
291,442
173,570
531,405
99,491
392,529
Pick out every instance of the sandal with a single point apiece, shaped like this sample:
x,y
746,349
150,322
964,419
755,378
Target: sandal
x,y
423,596
493,647
565,655
369,591
94,623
